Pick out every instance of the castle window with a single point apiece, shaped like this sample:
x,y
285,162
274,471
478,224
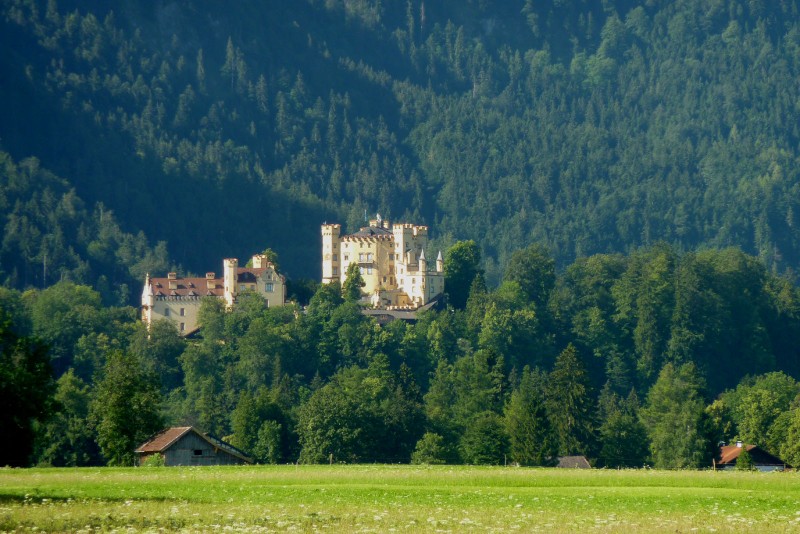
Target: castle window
x,y
183,312
166,312
391,257
347,257
369,270
361,256
183,327
369,256
268,287
335,271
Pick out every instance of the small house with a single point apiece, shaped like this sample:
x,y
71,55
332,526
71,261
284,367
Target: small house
x,y
762,460
185,445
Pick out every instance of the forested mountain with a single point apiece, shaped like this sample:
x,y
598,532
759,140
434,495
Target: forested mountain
x,y
627,171
584,126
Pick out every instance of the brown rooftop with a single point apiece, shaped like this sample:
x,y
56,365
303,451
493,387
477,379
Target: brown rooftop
x,y
730,453
163,439
186,287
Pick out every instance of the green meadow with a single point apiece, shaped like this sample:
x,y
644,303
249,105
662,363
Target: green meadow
x,y
395,498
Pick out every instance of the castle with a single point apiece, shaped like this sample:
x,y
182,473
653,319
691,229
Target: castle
x,y
179,299
391,258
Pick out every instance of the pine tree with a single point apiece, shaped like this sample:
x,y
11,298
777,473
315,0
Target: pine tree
x,y
532,441
569,404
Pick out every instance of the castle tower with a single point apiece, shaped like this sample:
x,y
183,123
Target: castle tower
x,y
423,264
230,280
439,263
331,239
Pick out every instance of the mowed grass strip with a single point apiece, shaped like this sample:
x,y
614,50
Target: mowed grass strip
x,y
401,498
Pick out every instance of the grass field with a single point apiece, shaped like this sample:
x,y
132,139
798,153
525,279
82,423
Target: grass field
x,y
395,498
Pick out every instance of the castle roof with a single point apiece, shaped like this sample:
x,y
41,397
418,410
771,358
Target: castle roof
x,y
372,231
202,286
187,287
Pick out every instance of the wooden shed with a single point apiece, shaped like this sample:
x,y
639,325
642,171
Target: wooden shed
x,y
185,445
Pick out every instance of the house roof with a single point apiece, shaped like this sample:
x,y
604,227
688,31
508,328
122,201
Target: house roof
x,y
573,462
169,436
730,453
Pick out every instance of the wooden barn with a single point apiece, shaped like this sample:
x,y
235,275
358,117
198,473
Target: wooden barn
x,y
185,445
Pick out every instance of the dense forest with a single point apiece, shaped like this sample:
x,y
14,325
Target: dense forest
x,y
589,127
651,358
615,184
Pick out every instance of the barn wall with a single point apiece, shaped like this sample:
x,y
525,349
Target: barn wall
x,y
184,452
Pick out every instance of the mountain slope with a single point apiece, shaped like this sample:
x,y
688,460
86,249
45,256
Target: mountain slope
x,y
590,128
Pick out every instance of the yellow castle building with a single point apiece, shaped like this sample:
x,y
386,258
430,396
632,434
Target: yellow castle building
x,y
178,299
391,258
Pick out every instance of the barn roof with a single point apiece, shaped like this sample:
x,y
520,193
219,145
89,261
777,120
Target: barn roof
x,y
169,436
730,453
163,440
573,462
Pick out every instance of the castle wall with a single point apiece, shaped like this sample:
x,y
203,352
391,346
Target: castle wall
x,y
182,311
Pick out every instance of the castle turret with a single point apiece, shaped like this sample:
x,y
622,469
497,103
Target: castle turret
x,y
423,265
439,263
147,301
230,280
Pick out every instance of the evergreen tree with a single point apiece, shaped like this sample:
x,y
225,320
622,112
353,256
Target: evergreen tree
x,y
531,438
569,404
485,441
623,438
